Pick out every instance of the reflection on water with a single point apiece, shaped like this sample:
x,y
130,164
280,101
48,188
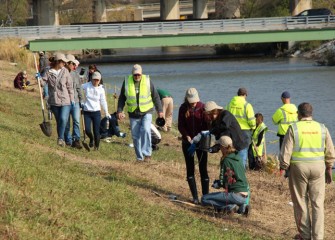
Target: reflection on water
x,y
265,79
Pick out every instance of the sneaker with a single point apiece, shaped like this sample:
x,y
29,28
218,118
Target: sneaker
x,y
122,135
147,159
91,144
76,144
68,144
61,142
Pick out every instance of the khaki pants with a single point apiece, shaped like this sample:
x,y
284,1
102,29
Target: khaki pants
x,y
307,183
167,103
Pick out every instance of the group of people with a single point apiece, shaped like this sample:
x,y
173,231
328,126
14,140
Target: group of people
x,y
306,154
306,149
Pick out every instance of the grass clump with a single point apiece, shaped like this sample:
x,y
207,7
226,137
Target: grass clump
x,y
14,50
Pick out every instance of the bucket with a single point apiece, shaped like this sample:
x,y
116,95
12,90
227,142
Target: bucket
x,y
205,142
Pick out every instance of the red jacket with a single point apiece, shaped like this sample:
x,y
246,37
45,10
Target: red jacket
x,y
194,123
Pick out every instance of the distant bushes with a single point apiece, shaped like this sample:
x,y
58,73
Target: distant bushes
x,y
14,50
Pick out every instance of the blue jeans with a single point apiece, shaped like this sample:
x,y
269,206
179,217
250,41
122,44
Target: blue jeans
x,y
220,200
62,116
93,118
75,114
141,134
244,152
45,91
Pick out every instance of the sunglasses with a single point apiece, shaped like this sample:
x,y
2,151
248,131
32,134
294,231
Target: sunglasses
x,y
136,75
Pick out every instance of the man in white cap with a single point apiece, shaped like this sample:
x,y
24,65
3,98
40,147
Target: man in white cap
x,y
74,139
141,97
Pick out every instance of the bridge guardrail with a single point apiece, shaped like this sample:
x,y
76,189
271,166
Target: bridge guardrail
x,y
168,27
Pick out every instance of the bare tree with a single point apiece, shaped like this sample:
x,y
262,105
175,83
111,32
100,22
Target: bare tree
x,y
14,12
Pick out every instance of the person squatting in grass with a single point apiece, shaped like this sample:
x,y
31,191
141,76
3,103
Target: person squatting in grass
x,y
21,81
94,98
232,179
191,121
61,94
141,96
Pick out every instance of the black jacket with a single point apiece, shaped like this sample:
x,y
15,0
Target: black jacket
x,y
227,125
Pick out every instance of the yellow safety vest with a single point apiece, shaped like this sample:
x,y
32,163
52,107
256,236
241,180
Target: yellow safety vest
x,y
144,96
243,112
254,137
284,117
309,142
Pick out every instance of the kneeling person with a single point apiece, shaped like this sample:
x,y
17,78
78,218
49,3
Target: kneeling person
x,y
232,179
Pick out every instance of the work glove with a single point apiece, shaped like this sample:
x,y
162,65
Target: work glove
x,y
108,116
191,149
37,75
216,184
81,105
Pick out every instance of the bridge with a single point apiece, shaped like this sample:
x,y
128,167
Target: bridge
x,y
174,33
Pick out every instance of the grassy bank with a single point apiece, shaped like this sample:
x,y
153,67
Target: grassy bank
x,y
48,192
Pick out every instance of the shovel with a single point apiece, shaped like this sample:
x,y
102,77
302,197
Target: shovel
x,y
83,142
45,126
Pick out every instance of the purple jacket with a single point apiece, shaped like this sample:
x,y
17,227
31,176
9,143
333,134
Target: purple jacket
x,y
194,123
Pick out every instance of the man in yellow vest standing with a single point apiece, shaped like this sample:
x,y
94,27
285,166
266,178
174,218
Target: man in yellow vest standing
x,y
284,116
141,97
244,114
308,151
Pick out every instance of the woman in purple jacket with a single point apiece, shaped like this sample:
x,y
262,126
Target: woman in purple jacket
x,y
191,121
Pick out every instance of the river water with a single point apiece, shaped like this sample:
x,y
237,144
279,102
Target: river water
x,y
219,80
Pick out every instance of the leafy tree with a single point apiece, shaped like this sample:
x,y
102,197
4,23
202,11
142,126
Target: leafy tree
x,y
14,12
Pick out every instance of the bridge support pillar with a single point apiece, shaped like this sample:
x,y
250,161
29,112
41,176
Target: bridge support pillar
x,y
99,11
170,10
200,9
297,6
46,12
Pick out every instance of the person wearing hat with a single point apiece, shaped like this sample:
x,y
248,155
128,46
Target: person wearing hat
x,y
141,97
284,116
92,69
223,123
74,138
43,67
61,94
21,81
95,97
167,104
308,153
232,179
244,113
191,122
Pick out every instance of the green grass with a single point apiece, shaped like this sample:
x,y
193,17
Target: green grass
x,y
45,194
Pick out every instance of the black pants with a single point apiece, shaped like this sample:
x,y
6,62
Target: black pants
x,y
202,159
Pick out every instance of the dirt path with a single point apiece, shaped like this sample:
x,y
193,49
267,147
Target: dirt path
x,y
272,213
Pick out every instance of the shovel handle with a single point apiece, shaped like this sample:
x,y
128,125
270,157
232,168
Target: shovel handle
x,y
39,87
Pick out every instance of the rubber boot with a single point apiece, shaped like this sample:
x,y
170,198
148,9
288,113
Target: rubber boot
x,y
205,186
193,188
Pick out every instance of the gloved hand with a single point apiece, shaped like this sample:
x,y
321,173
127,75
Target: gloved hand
x,y
214,149
108,116
216,184
191,149
73,103
37,75
81,105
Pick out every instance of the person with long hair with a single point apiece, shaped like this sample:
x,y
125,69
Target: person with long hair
x,y
94,98
61,94
191,121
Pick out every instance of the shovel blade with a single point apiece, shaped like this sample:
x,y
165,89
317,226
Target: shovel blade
x,y
86,146
46,128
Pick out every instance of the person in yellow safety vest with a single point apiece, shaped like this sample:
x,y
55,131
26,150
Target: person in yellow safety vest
x,y
284,116
244,114
256,148
307,151
141,97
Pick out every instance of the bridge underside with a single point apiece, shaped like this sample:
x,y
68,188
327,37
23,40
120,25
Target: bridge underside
x,y
181,40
